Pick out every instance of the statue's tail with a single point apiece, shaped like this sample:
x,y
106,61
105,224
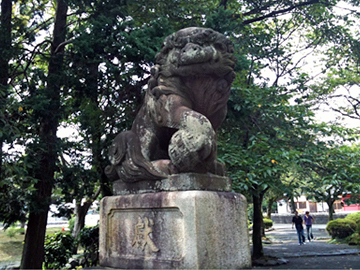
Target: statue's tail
x,y
127,162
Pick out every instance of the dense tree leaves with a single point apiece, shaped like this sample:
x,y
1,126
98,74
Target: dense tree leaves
x,y
270,119
333,172
269,132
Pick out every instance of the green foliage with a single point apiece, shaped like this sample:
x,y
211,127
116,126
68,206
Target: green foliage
x,y
332,171
261,137
71,224
354,198
354,239
220,20
268,223
89,240
16,188
58,250
13,230
341,228
250,212
354,217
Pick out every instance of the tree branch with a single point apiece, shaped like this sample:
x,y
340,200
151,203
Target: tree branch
x,y
33,53
258,9
97,193
273,13
63,44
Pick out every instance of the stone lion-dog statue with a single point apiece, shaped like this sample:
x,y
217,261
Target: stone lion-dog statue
x,y
185,103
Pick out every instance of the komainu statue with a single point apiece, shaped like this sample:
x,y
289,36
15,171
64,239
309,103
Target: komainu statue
x,y
185,103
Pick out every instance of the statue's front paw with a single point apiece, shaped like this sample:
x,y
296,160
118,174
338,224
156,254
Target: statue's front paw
x,y
190,152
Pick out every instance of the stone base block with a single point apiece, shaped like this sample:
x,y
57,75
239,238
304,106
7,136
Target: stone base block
x,y
175,182
167,230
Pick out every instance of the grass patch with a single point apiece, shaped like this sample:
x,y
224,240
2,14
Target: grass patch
x,y
353,239
11,247
337,241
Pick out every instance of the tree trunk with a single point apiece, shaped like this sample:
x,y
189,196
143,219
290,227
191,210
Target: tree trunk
x,y
258,250
269,207
292,203
33,253
80,213
5,46
330,203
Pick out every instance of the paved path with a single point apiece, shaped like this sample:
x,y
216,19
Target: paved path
x,y
284,232
318,254
350,262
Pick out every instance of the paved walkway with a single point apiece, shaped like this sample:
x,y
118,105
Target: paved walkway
x,y
285,232
318,254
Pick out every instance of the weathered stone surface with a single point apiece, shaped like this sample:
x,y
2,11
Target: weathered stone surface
x,y
175,182
185,103
183,230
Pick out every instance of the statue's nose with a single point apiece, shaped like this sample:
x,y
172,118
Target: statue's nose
x,y
191,46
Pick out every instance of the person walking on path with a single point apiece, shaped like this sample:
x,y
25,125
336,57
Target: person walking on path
x,y
308,221
298,222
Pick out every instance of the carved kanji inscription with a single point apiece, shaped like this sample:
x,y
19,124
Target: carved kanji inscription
x,y
142,234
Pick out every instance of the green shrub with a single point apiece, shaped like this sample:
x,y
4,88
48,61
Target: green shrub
x,y
354,239
58,250
356,218
71,224
89,240
13,230
341,228
268,223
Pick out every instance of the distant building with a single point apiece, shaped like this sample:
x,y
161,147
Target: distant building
x,y
303,205
351,207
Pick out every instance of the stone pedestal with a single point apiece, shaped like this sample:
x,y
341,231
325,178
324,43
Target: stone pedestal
x,y
181,229
175,182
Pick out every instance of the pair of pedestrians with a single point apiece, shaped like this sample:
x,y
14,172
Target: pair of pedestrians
x,y
298,222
